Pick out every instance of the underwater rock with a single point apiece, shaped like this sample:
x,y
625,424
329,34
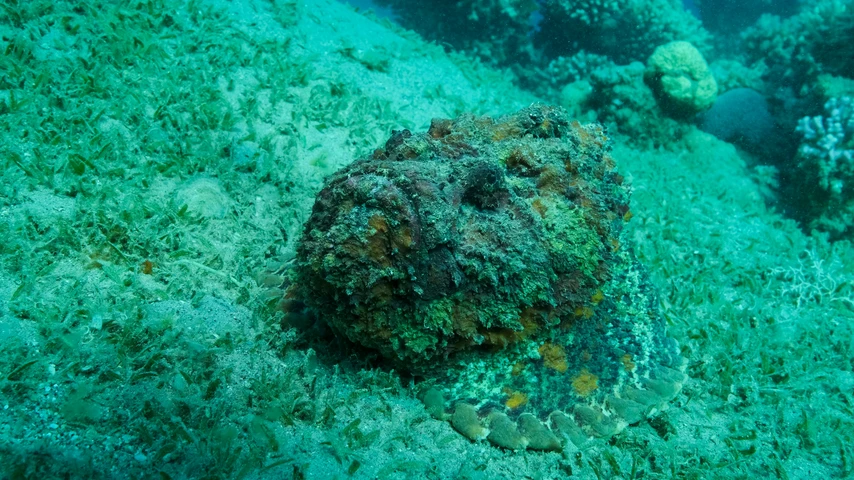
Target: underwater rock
x,y
739,116
681,80
487,257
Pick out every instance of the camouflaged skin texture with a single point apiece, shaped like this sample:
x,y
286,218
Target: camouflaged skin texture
x,y
486,256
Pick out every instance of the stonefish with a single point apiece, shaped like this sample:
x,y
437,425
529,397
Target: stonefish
x,y
487,258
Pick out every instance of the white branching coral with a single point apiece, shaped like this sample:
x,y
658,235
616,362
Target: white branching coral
x,y
826,165
828,144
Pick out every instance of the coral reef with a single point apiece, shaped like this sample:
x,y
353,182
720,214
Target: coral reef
x,y
795,50
488,257
681,80
519,33
732,16
626,104
806,60
494,30
825,163
732,74
625,30
547,79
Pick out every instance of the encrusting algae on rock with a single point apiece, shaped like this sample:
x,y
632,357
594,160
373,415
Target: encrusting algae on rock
x,y
487,257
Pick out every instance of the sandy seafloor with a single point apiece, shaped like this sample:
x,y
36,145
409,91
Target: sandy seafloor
x,y
158,166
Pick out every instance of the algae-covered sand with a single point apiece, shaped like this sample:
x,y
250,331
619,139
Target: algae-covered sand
x,y
159,163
